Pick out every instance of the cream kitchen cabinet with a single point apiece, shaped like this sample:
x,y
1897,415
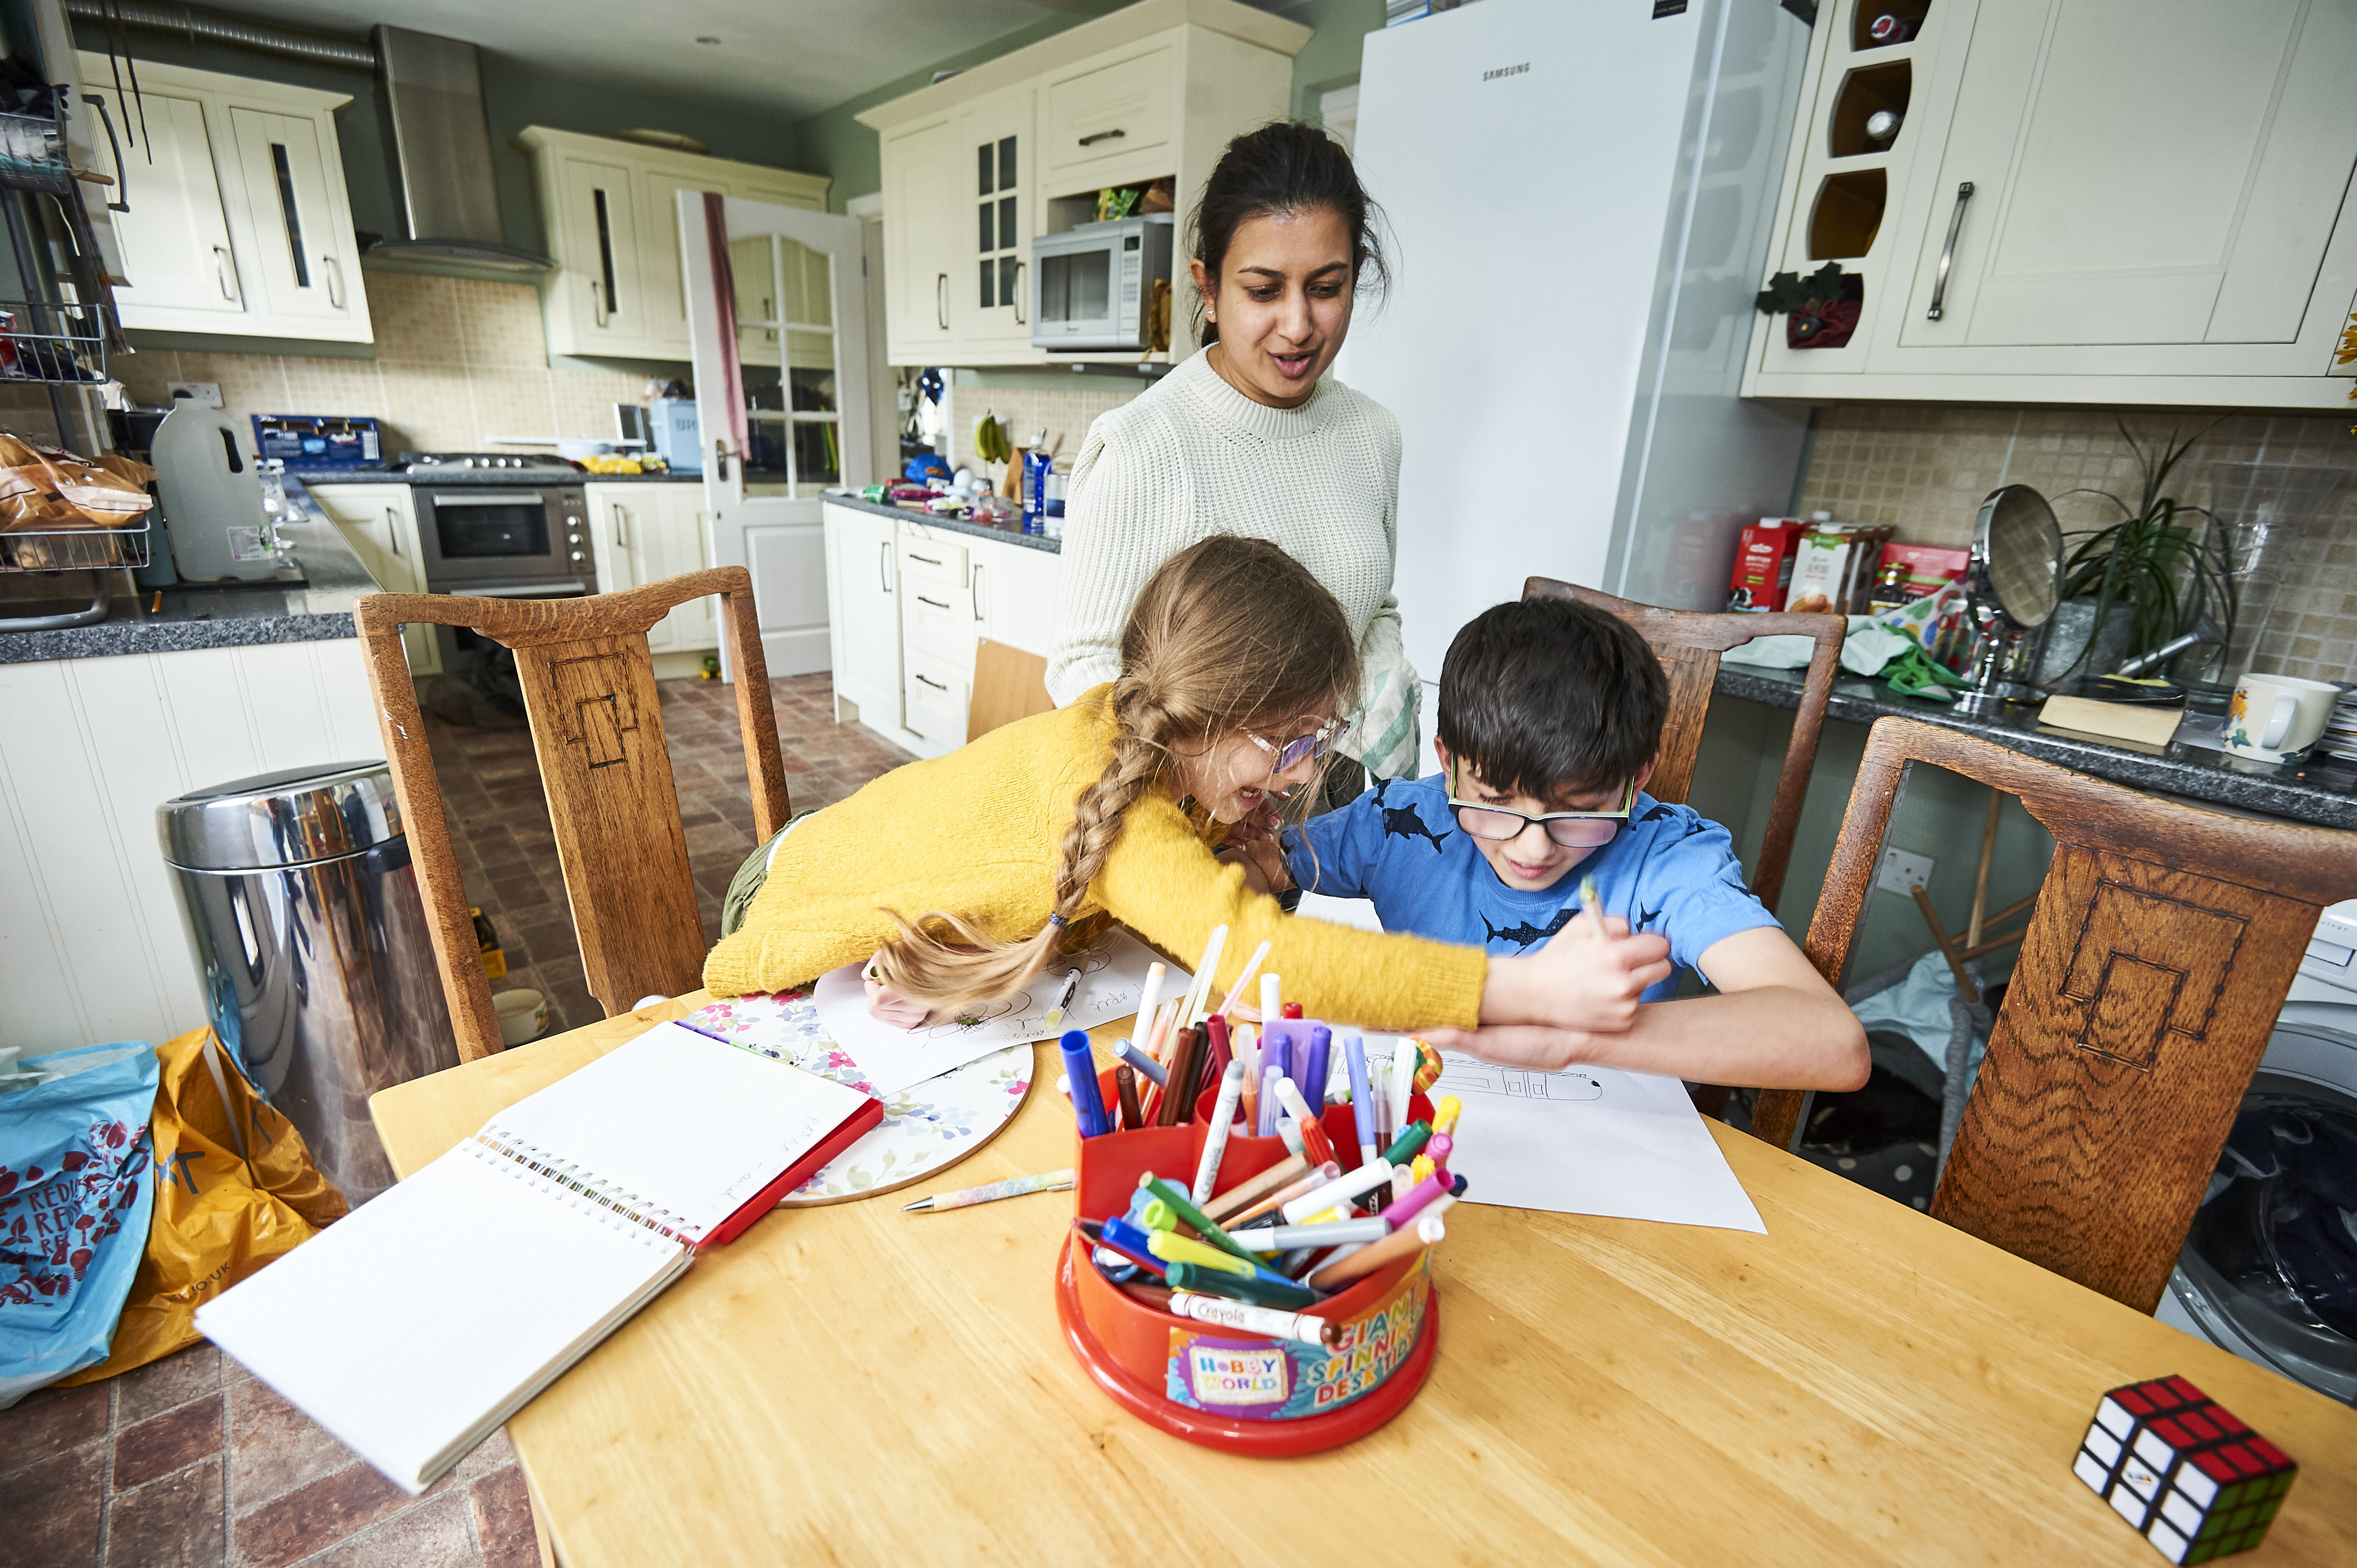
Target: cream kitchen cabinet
x,y
241,224
644,532
610,215
381,523
908,604
2084,201
1154,91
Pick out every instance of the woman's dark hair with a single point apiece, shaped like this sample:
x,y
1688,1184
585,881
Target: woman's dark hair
x,y
1287,166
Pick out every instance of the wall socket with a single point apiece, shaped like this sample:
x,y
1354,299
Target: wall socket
x,y
1902,870
205,393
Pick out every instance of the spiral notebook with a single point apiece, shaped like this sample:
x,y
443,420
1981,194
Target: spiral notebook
x,y
428,1315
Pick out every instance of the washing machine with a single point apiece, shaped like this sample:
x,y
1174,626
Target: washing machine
x,y
2269,1270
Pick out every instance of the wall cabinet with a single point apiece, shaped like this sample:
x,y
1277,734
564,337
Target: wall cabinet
x,y
2082,200
239,221
645,532
907,605
610,216
381,523
977,165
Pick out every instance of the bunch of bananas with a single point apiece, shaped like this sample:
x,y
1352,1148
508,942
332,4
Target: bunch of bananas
x,y
990,441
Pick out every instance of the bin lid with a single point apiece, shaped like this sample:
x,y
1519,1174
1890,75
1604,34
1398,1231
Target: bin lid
x,y
286,818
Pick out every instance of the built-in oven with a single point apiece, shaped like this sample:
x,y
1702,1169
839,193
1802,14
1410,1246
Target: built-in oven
x,y
498,534
465,652
1093,287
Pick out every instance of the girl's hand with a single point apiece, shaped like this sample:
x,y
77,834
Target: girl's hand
x,y
887,1005
1578,981
1532,1046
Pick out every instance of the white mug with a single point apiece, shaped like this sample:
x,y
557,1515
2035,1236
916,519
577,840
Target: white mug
x,y
2275,718
522,1015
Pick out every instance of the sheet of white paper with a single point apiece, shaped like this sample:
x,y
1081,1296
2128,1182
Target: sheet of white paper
x,y
1358,912
1112,980
1589,1140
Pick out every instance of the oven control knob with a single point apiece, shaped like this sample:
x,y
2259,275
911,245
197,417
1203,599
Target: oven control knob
x,y
577,555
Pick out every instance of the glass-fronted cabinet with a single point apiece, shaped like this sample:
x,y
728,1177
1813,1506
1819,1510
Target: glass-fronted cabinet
x,y
994,304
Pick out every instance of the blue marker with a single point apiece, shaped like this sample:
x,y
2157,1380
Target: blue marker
x,y
1088,1104
1315,1066
1142,1063
1277,1049
1362,1107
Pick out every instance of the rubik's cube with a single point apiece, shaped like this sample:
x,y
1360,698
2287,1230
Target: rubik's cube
x,y
2180,1468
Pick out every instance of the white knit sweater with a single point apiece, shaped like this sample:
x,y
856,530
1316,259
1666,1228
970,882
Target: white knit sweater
x,y
1193,457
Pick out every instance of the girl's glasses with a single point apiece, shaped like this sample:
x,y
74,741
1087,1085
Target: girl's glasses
x,y
1572,829
1294,752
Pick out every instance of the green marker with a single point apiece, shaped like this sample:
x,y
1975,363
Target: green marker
x,y
1588,901
1196,1220
1155,1215
1408,1144
1285,1295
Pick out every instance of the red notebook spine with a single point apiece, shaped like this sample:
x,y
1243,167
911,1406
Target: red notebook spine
x,y
861,1122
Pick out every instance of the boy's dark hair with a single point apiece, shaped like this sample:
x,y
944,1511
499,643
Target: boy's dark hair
x,y
1541,697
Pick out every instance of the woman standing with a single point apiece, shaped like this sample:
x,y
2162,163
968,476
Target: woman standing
x,y
1252,436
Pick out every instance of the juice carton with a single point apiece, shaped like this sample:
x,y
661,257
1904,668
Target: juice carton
x,y
1763,563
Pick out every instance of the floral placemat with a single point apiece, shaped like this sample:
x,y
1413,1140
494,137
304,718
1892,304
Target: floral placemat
x,y
926,1127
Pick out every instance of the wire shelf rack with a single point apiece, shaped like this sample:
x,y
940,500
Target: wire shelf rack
x,y
75,549
33,154
45,342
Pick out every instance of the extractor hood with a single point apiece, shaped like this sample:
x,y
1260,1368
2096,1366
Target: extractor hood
x,y
430,90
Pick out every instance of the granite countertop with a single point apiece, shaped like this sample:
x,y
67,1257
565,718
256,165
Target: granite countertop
x,y
953,524
311,602
509,478
2323,792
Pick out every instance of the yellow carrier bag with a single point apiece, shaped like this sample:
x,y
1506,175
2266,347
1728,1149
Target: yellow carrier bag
x,y
234,1188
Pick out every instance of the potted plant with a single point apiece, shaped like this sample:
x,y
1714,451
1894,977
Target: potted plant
x,y
2157,572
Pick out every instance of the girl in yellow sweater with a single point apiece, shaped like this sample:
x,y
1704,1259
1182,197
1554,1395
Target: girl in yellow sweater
x,y
966,875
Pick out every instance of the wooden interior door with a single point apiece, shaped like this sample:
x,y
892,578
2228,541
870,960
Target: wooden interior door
x,y
805,417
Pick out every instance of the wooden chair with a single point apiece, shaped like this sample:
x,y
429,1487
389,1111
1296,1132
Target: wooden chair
x,y
598,731
2160,950
1688,643
1008,684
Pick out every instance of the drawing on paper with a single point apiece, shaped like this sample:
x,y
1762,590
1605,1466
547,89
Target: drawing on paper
x,y
1465,1075
974,1018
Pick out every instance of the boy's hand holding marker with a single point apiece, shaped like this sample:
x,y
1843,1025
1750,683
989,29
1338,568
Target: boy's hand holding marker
x,y
889,1006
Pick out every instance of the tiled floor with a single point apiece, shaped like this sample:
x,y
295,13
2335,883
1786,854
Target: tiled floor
x,y
190,1464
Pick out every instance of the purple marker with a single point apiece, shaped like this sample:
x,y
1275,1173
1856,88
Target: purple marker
x,y
1277,1048
1269,1079
1314,1065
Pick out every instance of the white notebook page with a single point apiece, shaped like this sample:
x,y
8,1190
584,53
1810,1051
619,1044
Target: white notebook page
x,y
677,1118
427,1316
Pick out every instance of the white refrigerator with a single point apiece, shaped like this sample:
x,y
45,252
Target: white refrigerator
x,y
1579,195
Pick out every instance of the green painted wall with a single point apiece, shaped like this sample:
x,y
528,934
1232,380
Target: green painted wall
x,y
514,96
836,144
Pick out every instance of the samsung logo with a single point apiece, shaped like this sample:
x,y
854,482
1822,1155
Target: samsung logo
x,y
1522,70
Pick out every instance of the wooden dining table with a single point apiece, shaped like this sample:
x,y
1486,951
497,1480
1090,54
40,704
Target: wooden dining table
x,y
1861,1385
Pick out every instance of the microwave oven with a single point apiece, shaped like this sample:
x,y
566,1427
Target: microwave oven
x,y
1093,287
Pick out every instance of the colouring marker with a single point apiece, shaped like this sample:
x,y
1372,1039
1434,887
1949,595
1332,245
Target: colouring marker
x,y
1292,1010
1216,1060
1072,989
1368,1259
1129,1239
1428,1067
1338,1192
1317,1064
1277,1047
1285,1295
1313,1142
1288,1132
1444,1115
1333,1233
1171,1248
1408,1144
1251,967
1251,1190
1271,995
1203,1223
1145,1065
1150,999
1242,1315
1215,1142
1309,1181
1125,1084
991,1192
1591,915
1403,1084
1269,1077
1419,1198
1088,1103
1362,1109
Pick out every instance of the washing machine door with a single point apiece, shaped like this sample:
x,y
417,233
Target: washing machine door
x,y
2270,1266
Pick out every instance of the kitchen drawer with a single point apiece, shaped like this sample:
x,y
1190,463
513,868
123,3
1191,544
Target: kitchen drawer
x,y
935,558
934,700
937,624
1111,111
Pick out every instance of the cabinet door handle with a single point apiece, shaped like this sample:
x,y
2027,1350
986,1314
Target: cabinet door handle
x,y
935,603
335,281
884,564
220,271
1948,251
973,590
1096,136
1020,268
942,300
936,685
621,532
122,202
392,529
928,560
598,312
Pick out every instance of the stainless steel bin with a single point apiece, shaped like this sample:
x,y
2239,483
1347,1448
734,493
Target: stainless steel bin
x,y
311,938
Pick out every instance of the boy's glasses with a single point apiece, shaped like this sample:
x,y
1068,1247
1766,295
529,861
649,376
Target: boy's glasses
x,y
1572,829
1299,749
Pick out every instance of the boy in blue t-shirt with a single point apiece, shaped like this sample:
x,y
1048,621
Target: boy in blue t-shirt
x,y
1550,719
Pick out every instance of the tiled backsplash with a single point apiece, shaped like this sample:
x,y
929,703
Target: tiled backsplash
x,y
1927,467
1026,410
460,363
